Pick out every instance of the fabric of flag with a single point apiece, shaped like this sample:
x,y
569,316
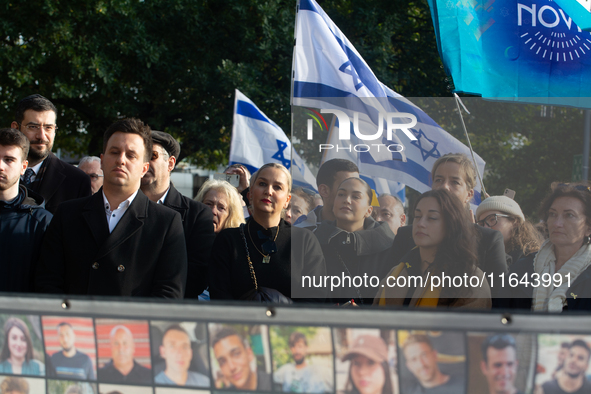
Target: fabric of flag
x,y
329,73
580,10
525,50
257,140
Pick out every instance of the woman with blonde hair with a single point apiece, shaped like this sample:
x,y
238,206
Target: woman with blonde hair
x,y
255,261
225,203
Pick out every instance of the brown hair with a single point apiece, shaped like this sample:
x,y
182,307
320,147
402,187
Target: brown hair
x,y
132,126
35,102
580,191
417,338
308,198
463,161
386,388
12,384
524,237
457,252
9,325
13,137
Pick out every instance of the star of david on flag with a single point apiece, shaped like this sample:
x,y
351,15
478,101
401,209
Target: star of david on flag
x,y
330,74
257,140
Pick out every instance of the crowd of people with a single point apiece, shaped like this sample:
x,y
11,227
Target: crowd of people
x,y
116,226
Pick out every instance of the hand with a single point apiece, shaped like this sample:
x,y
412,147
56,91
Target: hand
x,y
244,180
472,216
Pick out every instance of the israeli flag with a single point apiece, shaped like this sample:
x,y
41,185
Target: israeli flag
x,y
257,140
330,74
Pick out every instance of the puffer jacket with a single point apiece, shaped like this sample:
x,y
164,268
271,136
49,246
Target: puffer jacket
x,y
22,226
362,254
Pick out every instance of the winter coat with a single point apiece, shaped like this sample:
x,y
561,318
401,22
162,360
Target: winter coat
x,y
22,226
363,254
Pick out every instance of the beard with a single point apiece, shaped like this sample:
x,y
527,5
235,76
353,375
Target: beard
x,y
8,183
37,156
299,360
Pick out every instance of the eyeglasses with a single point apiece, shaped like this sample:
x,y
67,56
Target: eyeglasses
x,y
35,127
491,220
95,177
156,155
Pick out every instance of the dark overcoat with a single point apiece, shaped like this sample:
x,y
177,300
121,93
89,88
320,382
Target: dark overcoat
x,y
199,236
144,256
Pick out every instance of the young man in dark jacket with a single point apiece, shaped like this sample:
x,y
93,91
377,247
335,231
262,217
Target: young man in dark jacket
x,y
23,220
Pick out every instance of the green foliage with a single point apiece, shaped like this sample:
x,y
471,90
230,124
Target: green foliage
x,y
280,342
175,63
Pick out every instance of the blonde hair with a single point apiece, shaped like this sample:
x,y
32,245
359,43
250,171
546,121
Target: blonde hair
x,y
235,212
463,161
272,165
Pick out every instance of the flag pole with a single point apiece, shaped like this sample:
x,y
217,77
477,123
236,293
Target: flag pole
x,y
458,101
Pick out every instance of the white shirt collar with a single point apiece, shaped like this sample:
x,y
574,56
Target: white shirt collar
x,y
37,167
123,204
163,198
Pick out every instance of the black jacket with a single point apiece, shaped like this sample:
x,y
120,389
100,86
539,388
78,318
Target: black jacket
x,y
59,181
145,255
491,251
22,227
199,236
298,254
521,297
364,252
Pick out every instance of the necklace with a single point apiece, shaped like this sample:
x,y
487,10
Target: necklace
x,y
266,257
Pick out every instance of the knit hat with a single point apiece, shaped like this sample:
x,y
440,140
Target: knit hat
x,y
500,203
370,346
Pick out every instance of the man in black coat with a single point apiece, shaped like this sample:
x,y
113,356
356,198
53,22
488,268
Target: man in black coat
x,y
116,242
56,180
197,217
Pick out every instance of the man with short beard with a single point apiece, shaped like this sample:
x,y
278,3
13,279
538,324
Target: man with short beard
x,y
572,378
197,217
299,376
23,220
71,363
421,361
56,180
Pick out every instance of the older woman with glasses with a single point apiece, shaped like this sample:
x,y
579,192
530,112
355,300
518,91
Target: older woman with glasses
x,y
504,215
559,274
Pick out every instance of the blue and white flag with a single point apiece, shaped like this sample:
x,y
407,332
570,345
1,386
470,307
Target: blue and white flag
x,y
331,75
516,50
257,140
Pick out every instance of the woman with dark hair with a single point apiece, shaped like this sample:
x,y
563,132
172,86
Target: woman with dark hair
x,y
260,258
355,245
562,266
445,242
504,215
369,372
17,351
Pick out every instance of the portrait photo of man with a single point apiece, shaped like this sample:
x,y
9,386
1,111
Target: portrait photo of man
x,y
572,376
178,354
501,363
422,372
233,357
303,359
124,352
71,345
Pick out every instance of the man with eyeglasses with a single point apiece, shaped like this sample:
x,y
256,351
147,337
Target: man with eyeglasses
x,y
197,217
56,180
91,165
